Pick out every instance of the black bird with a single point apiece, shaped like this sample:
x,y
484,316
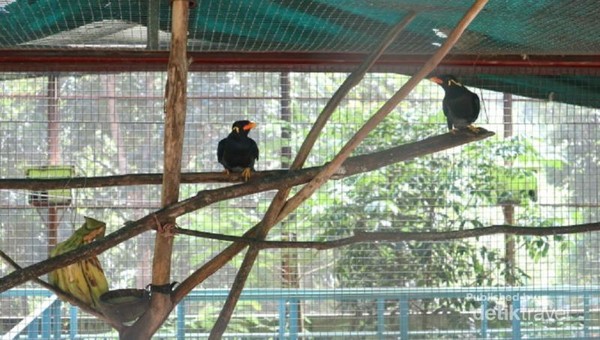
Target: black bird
x,y
461,106
238,152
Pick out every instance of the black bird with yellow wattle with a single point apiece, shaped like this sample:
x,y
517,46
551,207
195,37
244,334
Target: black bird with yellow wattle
x,y
238,152
461,106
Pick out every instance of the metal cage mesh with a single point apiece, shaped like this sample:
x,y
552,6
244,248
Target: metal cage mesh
x,y
505,27
541,169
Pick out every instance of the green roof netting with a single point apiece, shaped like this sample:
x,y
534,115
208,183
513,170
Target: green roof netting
x,y
504,27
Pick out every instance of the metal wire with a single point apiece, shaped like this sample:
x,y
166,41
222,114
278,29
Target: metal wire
x,y
544,172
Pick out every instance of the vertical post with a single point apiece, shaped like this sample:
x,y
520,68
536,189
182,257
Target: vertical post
x,y
290,271
73,327
53,159
508,208
282,317
515,315
53,151
181,320
33,329
46,322
380,317
484,320
403,306
175,112
507,116
294,318
56,319
586,315
152,29
53,123
286,116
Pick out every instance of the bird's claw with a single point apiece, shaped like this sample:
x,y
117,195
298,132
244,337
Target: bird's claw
x,y
473,128
246,173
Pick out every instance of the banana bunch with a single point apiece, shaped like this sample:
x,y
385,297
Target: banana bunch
x,y
85,279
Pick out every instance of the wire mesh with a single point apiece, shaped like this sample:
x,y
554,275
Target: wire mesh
x,y
505,27
540,170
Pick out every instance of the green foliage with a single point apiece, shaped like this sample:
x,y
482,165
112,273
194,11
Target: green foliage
x,y
434,193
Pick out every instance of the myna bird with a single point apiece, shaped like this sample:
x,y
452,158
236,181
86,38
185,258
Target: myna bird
x,y
461,106
238,152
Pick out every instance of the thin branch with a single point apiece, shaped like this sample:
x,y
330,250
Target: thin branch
x,y
352,166
65,296
373,237
269,219
325,173
402,236
353,79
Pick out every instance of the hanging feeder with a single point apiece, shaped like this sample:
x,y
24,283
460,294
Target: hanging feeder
x,y
54,197
125,304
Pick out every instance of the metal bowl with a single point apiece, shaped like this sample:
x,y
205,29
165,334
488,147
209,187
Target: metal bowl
x,y
125,304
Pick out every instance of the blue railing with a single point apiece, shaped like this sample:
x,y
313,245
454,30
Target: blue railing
x,y
288,301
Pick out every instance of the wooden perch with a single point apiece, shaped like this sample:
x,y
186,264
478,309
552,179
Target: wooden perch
x,y
352,166
175,113
411,150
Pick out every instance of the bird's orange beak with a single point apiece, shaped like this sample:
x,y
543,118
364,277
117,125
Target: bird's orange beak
x,y
436,80
249,126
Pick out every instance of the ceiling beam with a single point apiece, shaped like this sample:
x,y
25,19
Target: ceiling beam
x,y
99,60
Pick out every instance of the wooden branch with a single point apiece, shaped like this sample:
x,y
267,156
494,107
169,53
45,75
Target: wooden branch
x,y
278,201
402,236
65,296
362,133
113,181
352,166
353,79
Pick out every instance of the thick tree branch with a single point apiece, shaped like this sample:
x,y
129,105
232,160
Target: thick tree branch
x,y
401,236
175,113
117,180
352,166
